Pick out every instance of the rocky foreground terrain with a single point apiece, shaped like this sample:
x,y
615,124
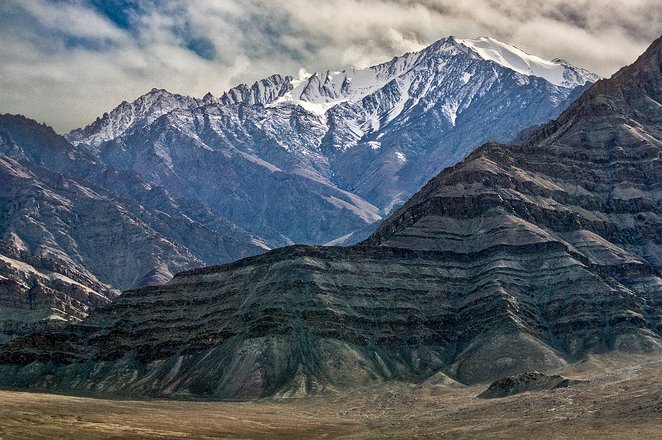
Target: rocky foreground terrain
x,y
521,258
523,382
615,399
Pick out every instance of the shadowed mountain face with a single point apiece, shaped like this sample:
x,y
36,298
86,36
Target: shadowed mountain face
x,y
521,258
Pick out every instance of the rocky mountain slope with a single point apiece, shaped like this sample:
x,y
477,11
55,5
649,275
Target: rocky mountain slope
x,y
58,202
37,293
520,258
313,159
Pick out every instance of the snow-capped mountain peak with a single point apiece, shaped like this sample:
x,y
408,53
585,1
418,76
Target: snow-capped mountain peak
x,y
348,145
318,92
144,110
557,72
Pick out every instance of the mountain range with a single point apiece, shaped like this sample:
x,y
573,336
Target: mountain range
x,y
521,257
314,159
169,182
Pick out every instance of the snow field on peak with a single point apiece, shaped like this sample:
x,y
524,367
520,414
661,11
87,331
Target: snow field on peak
x,y
520,61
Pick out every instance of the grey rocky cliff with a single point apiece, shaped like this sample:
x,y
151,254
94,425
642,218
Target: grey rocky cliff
x,y
520,258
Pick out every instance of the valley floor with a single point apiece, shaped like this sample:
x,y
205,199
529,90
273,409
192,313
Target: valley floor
x,y
619,400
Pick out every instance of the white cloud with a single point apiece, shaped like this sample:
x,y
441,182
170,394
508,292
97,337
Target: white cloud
x,y
65,63
71,19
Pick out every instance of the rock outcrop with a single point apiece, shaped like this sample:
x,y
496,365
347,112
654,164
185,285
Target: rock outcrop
x,y
521,383
521,258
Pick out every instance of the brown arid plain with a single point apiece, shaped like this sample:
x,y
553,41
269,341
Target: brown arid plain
x,y
616,399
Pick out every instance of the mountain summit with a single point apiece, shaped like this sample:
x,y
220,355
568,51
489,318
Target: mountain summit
x,y
315,158
558,72
520,258
319,92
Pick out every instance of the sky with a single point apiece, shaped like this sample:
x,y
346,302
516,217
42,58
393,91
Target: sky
x,y
65,62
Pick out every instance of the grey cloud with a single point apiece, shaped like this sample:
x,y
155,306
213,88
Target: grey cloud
x,y
67,61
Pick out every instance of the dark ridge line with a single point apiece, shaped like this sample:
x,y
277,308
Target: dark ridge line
x,y
298,251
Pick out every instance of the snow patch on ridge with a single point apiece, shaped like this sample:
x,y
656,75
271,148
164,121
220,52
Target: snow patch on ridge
x,y
524,63
450,110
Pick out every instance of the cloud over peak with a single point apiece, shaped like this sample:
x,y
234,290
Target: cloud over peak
x,y
67,61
